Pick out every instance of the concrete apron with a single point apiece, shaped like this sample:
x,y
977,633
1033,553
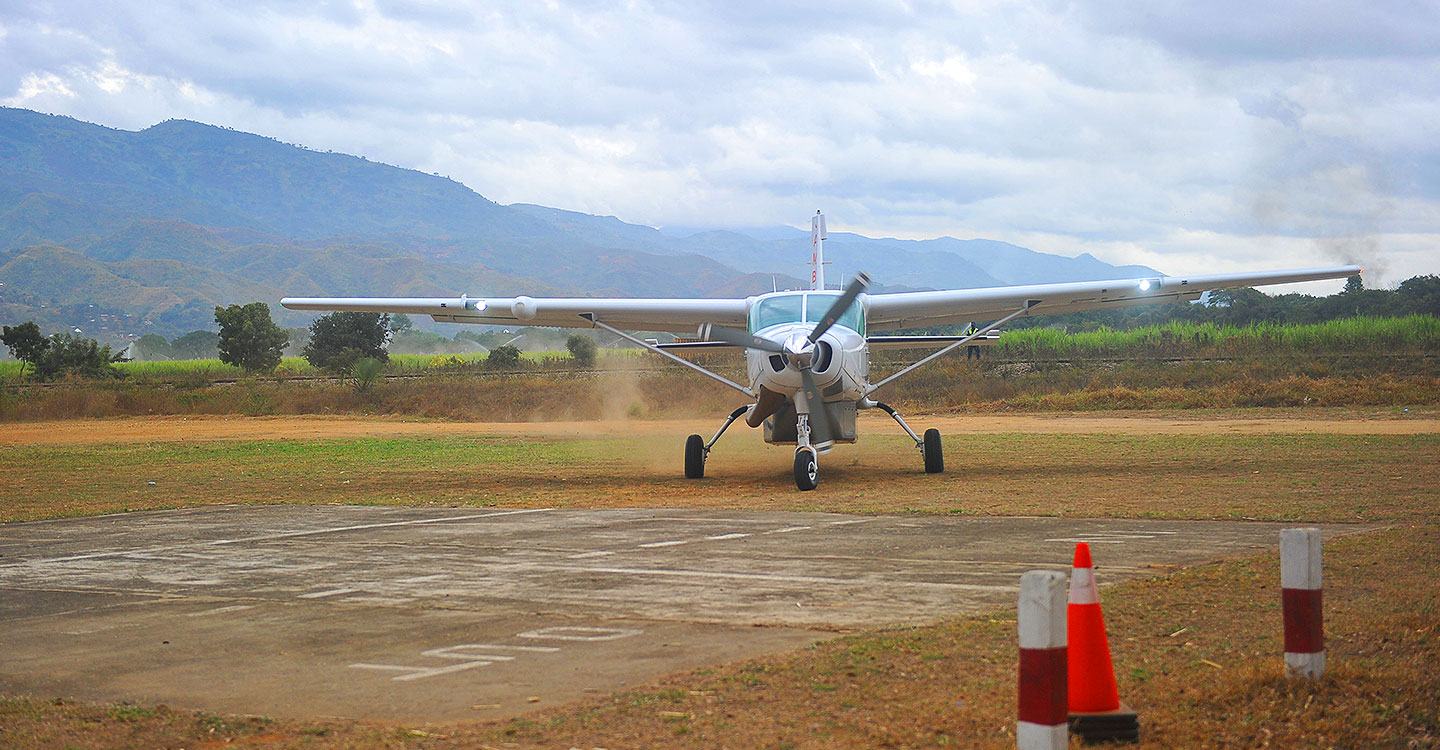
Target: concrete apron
x,y
456,614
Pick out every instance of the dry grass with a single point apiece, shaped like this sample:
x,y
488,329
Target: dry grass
x,y
1282,378
1292,477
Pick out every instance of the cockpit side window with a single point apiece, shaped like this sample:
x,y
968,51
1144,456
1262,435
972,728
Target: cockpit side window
x,y
776,310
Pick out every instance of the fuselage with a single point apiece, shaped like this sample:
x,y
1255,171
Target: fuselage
x,y
840,358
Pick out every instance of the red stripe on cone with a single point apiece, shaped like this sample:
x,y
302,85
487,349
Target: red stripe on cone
x,y
1091,674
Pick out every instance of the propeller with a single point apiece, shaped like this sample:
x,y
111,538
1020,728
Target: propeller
x,y
737,337
860,283
800,351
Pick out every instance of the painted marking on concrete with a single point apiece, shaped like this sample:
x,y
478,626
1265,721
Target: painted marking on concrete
x,y
379,599
698,574
420,673
1102,538
788,529
221,610
461,651
849,521
387,524
323,594
672,543
579,633
466,652
722,537
1108,537
423,579
585,555
282,535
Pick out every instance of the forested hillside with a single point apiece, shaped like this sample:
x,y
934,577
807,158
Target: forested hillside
x,y
125,233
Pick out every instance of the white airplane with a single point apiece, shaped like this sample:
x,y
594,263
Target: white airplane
x,y
808,352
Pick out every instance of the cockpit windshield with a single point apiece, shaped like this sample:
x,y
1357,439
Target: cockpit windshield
x,y
806,306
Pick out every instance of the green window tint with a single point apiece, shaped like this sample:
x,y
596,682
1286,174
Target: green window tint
x,y
819,304
776,310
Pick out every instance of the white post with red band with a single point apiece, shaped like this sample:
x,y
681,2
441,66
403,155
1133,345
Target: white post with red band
x,y
1300,586
1044,709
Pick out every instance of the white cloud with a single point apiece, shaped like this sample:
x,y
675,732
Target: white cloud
x,y
1166,133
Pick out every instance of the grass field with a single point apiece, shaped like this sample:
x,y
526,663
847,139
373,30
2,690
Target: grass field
x,y
1271,477
1196,650
192,370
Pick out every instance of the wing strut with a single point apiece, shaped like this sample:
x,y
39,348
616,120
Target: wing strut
x,y
596,322
1029,303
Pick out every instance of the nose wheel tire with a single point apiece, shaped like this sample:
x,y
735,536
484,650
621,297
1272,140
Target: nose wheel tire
x,y
807,470
694,457
934,454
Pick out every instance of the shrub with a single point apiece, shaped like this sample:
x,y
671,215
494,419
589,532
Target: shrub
x,y
583,349
72,355
366,372
504,357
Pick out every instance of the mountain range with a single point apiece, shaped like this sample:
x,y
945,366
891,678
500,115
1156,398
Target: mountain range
x,y
122,233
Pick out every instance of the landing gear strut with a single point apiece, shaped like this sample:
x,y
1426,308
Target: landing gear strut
x,y
930,449
807,462
697,450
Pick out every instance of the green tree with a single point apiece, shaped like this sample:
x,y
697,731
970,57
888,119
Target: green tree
x,y
582,348
1419,295
504,357
338,339
71,355
25,343
196,345
153,346
249,339
400,322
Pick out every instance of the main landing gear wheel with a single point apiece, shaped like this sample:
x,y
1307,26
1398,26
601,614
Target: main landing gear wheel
x,y
934,454
694,457
807,470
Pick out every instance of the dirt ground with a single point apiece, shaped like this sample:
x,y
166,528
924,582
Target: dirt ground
x,y
1196,650
1249,422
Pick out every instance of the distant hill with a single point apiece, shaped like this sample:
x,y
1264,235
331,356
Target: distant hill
x,y
125,233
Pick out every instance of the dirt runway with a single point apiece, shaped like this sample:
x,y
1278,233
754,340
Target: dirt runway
x,y
205,428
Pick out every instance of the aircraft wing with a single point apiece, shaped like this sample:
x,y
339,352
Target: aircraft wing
x,y
674,315
923,309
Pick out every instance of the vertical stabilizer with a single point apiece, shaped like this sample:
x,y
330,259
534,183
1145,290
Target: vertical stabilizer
x,y
817,251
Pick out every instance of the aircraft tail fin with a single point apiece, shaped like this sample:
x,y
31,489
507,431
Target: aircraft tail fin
x,y
817,251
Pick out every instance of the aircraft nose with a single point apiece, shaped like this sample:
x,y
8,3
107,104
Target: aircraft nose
x,y
799,350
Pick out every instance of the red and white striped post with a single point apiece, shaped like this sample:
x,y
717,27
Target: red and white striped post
x,y
1044,709
1300,586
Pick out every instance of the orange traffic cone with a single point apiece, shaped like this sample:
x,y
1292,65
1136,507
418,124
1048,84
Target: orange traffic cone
x,y
1095,710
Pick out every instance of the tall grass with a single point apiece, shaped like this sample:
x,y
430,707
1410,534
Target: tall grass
x,y
1363,335
1357,362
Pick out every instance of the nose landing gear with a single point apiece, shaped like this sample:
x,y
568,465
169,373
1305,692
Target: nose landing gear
x,y
807,469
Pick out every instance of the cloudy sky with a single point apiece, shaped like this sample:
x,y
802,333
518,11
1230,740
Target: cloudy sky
x,y
1192,137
